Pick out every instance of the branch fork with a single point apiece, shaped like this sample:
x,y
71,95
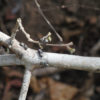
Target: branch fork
x,y
32,61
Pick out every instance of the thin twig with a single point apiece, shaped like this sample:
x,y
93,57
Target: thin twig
x,y
61,45
24,32
25,85
48,22
37,42
14,31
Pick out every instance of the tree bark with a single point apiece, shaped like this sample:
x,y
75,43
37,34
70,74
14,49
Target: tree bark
x,y
62,61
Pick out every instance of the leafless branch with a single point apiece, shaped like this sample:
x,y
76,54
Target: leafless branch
x,y
19,22
25,85
48,22
31,56
31,60
9,59
24,32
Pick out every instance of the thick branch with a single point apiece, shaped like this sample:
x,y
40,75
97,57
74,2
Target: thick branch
x,y
9,59
24,55
73,62
12,59
63,61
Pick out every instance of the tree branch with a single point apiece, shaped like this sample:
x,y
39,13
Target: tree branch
x,y
48,22
19,25
25,85
62,61
9,59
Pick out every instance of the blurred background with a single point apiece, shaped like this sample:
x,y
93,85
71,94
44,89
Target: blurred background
x,y
75,20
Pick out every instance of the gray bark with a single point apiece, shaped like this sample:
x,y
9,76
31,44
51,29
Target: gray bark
x,y
31,58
